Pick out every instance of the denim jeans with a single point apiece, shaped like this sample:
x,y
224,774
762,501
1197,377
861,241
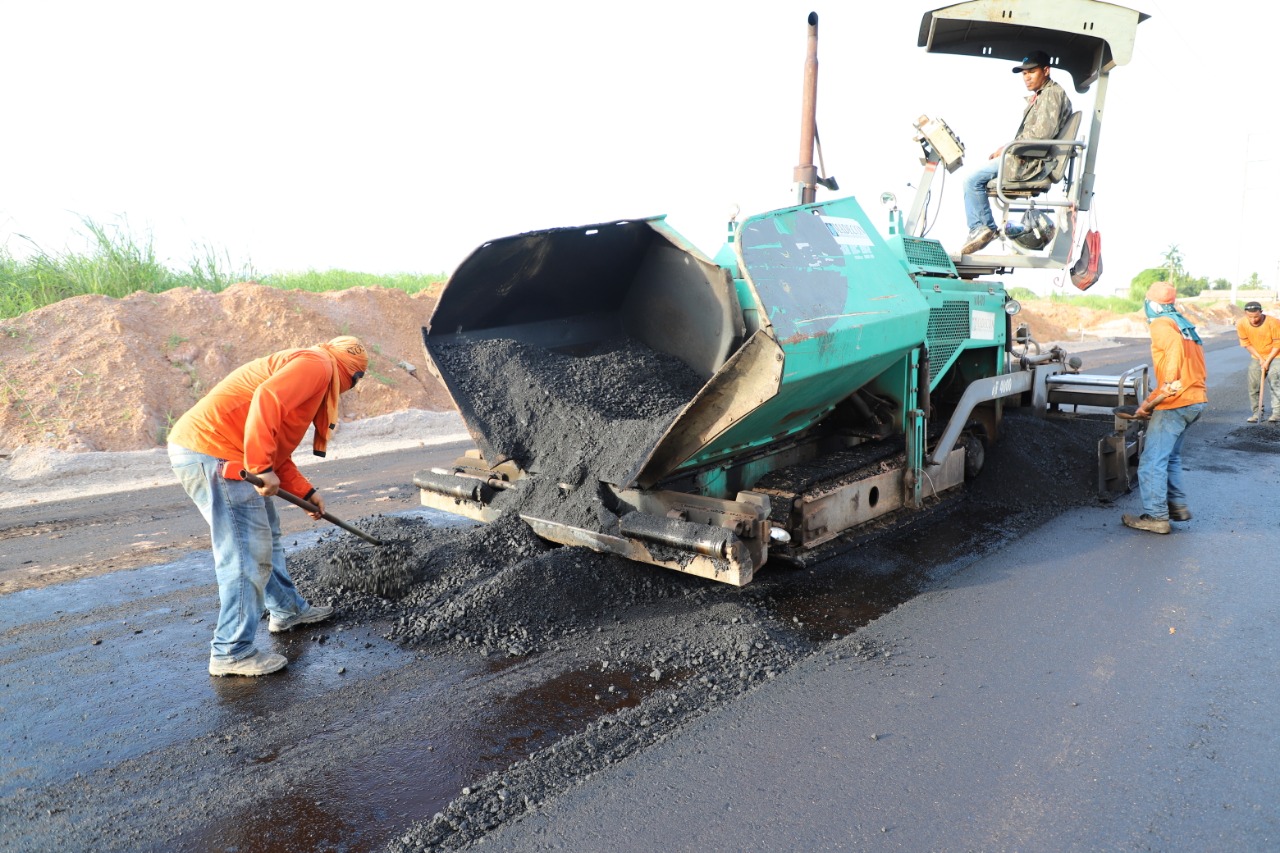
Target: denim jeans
x,y
248,556
1160,468
1255,386
976,206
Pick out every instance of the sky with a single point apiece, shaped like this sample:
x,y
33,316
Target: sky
x,y
399,136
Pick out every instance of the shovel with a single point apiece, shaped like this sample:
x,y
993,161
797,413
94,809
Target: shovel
x,y
310,507
1262,390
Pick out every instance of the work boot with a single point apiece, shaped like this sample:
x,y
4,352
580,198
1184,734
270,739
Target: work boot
x,y
977,239
257,663
1179,513
1146,522
313,613
1252,419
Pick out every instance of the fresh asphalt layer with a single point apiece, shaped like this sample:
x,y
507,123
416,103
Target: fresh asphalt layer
x,y
1088,687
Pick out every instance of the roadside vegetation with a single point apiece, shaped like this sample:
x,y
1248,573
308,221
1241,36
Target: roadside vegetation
x,y
116,264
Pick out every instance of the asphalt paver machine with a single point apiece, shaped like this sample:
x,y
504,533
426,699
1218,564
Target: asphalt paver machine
x,y
847,377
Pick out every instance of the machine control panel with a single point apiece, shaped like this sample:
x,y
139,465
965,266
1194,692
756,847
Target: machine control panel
x,y
934,133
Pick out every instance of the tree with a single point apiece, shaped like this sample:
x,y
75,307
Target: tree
x,y
1193,286
1254,283
1173,263
1142,281
1221,284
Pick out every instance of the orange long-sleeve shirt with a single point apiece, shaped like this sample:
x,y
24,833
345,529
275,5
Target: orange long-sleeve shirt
x,y
258,414
1177,359
1263,337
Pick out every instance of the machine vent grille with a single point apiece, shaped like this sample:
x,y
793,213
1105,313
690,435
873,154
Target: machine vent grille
x,y
948,329
927,255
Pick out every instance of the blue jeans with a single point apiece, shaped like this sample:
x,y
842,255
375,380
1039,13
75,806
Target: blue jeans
x,y
1160,468
976,206
248,557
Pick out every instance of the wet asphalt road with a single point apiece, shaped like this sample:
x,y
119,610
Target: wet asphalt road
x,y
1070,691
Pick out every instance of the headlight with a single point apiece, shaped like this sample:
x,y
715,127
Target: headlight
x,y
1012,307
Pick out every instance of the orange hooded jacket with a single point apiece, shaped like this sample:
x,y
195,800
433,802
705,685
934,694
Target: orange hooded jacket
x,y
256,417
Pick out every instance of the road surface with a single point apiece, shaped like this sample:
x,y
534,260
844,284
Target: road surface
x,y
982,681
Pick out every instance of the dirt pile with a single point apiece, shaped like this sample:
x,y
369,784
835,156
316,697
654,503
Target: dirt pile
x,y
1052,322
95,373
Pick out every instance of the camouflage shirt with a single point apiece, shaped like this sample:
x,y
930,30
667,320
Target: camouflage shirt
x,y
1045,114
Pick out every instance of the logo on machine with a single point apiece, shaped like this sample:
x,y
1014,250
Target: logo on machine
x,y
850,234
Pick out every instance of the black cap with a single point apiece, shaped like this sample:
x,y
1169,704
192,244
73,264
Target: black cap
x,y
1252,306
1034,59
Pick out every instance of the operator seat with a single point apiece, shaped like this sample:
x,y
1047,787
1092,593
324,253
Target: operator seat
x,y
1057,154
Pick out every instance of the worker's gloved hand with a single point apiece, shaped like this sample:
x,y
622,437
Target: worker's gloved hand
x,y
319,502
270,484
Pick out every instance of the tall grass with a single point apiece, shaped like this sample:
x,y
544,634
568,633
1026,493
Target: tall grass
x,y
117,264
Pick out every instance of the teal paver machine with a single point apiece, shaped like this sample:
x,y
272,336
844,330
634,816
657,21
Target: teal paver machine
x,y
849,377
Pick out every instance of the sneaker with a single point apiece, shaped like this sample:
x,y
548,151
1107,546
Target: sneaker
x,y
313,613
1252,419
255,664
977,239
1013,229
1179,513
1146,522
1273,420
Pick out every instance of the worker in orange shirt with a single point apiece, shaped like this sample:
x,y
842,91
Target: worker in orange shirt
x,y
1175,404
1260,335
253,420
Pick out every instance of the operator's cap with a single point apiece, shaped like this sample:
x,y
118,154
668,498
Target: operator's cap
x,y
1253,306
1162,293
1034,59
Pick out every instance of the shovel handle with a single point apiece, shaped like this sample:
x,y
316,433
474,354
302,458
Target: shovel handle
x,y
307,505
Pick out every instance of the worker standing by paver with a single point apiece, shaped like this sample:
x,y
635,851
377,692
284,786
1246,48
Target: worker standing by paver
x,y
253,420
1175,404
1260,335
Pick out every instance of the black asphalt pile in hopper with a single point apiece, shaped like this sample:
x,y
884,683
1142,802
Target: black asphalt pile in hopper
x,y
573,421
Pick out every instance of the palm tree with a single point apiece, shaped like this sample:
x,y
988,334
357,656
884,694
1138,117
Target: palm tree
x,y
1173,261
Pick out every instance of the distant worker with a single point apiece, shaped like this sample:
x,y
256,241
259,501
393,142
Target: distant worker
x,y
253,420
1260,335
1175,404
1047,110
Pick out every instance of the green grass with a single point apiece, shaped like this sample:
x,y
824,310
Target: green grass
x,y
116,264
1115,304
318,282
